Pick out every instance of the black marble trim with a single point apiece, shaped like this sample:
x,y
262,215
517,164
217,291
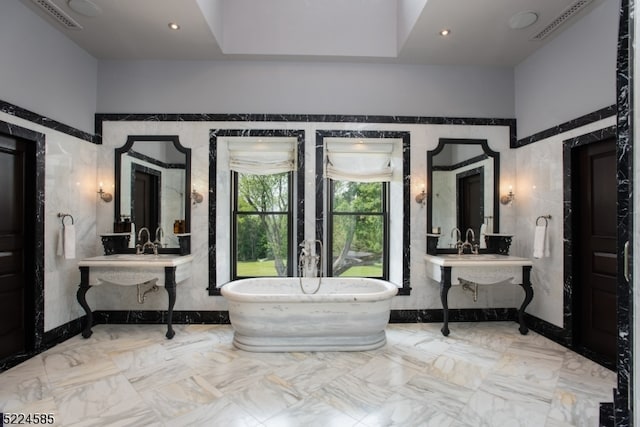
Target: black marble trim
x,y
156,162
560,336
36,218
565,335
50,339
304,118
455,315
624,394
406,192
567,126
14,110
461,164
213,157
159,317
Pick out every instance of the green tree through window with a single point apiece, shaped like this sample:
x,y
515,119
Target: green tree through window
x,y
358,229
262,225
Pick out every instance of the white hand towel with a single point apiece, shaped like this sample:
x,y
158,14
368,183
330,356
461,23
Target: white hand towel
x,y
540,242
69,241
483,233
132,239
60,244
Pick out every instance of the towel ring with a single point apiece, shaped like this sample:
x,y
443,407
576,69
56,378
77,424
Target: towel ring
x,y
63,216
546,219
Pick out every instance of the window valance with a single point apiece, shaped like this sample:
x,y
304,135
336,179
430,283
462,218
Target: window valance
x,y
359,161
262,157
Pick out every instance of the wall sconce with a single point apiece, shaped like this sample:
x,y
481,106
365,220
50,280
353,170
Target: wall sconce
x,y
106,197
421,197
196,197
508,198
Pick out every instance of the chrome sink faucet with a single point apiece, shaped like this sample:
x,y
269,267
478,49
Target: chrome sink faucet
x,y
159,236
473,235
141,247
468,244
458,234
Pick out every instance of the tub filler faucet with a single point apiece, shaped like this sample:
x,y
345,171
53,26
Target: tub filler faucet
x,y
309,262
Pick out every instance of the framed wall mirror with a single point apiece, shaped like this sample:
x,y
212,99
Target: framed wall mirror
x,y
152,186
462,190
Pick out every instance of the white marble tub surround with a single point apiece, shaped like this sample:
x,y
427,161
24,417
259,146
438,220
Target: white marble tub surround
x,y
478,270
132,270
274,314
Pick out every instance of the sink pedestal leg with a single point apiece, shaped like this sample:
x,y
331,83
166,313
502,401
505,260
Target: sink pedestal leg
x,y
81,296
170,286
445,285
528,296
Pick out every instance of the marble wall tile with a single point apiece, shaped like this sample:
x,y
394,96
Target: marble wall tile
x,y
194,133
540,191
65,182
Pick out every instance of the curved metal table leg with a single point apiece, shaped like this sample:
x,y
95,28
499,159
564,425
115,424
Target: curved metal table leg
x,y
81,296
528,296
445,285
170,286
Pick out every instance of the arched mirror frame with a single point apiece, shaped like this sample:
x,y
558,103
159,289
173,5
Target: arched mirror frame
x,y
442,143
131,139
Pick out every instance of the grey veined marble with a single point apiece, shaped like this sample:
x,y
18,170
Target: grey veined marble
x,y
483,374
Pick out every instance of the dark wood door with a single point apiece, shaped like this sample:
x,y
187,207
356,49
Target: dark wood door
x,y
596,256
470,204
146,201
13,321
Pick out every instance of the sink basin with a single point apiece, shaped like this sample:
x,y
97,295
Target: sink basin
x,y
479,257
134,257
455,260
482,268
131,269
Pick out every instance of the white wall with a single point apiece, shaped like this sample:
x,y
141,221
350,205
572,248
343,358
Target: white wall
x,y
43,71
303,88
573,75
70,187
192,294
541,165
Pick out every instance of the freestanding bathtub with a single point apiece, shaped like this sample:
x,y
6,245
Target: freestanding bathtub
x,y
274,315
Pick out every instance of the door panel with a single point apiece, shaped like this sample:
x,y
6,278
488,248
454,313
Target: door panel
x,y
12,268
596,247
471,195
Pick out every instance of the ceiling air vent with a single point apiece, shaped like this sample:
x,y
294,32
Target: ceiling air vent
x,y
561,19
58,14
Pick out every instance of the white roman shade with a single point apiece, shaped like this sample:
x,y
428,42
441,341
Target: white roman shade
x,y
359,161
262,157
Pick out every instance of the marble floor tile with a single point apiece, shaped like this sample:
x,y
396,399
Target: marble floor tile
x,y
483,374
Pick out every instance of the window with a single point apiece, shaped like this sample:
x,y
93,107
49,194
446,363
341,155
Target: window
x,y
262,206
262,225
358,229
358,175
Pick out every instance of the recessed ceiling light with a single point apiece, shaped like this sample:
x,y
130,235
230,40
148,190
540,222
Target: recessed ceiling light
x,y
523,19
174,26
445,32
84,7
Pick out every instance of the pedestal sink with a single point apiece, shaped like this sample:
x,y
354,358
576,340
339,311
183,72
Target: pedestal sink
x,y
481,269
131,270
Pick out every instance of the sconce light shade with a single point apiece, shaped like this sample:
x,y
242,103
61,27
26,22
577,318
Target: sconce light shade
x,y
421,198
106,197
196,197
507,199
